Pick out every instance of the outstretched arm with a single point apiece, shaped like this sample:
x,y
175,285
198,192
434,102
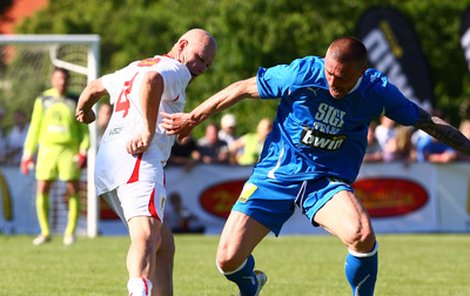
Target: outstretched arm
x,y
89,96
183,123
443,132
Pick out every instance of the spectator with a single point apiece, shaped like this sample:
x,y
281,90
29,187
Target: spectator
x,y
228,124
3,140
248,147
16,138
428,149
211,148
385,130
373,150
63,143
400,147
184,153
465,130
179,218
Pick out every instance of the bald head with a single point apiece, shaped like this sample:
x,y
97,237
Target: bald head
x,y
196,49
348,50
200,36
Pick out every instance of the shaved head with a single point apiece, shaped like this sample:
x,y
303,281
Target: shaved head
x,y
348,50
196,49
345,62
200,36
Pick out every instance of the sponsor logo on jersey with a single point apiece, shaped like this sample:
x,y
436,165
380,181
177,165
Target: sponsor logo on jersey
x,y
148,62
317,139
325,132
115,131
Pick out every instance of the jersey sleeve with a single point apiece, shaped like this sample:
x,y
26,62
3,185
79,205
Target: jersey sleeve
x,y
398,107
113,84
175,79
281,80
32,136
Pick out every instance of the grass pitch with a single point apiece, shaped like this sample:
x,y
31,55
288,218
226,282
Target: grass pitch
x,y
296,265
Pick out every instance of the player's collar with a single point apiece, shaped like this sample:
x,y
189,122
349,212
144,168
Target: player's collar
x,y
358,82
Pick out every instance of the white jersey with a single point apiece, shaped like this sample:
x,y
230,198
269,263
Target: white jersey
x,y
114,165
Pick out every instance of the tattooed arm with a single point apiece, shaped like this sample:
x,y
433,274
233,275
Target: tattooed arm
x,y
443,132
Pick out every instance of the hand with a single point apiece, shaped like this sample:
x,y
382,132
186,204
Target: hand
x,y
178,123
139,143
26,165
81,160
85,116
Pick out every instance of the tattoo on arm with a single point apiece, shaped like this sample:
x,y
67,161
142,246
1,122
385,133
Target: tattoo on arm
x,y
443,131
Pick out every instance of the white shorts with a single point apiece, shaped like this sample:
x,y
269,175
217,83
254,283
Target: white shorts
x,y
142,198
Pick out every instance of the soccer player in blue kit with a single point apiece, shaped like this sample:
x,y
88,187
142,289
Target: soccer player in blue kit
x,y
312,156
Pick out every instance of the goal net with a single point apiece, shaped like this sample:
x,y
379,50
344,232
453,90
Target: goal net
x,y
26,64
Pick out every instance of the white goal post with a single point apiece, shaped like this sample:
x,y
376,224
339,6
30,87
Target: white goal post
x,y
89,68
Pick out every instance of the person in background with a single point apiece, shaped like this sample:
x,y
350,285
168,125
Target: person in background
x,y
430,149
464,128
373,150
311,157
129,172
61,144
248,147
184,153
400,147
3,139
16,138
179,218
211,149
228,125
385,130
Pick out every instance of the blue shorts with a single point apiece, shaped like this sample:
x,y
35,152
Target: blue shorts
x,y
272,202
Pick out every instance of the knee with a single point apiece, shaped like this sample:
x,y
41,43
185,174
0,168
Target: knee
x,y
227,261
361,238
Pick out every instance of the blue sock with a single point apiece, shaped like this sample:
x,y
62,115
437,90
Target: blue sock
x,y
244,277
361,271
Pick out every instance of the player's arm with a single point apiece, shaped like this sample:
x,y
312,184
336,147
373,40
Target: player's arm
x,y
32,137
183,123
89,96
443,131
151,90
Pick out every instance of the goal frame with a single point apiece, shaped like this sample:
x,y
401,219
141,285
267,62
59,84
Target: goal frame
x,y
91,71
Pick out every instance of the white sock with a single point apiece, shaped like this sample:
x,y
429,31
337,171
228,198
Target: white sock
x,y
139,287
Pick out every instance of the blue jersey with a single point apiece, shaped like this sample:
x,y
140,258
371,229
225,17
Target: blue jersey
x,y
315,134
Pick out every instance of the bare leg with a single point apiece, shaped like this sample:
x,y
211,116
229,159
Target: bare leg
x,y
345,217
145,241
241,234
163,276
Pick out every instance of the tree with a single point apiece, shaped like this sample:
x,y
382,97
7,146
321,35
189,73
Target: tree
x,y
252,34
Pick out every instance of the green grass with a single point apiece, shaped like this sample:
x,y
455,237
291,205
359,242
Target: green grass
x,y
308,265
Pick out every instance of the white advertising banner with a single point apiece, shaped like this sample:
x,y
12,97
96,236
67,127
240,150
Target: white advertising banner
x,y
399,198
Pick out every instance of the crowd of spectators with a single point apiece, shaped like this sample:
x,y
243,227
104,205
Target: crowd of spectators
x,y
391,143
387,142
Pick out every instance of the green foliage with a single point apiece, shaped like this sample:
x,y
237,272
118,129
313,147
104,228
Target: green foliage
x,y
256,33
296,265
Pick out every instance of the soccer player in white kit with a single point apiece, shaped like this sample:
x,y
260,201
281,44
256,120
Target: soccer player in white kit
x,y
133,151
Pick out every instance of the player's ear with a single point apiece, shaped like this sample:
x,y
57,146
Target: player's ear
x,y
182,44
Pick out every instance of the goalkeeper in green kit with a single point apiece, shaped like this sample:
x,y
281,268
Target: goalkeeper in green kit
x,y
61,143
